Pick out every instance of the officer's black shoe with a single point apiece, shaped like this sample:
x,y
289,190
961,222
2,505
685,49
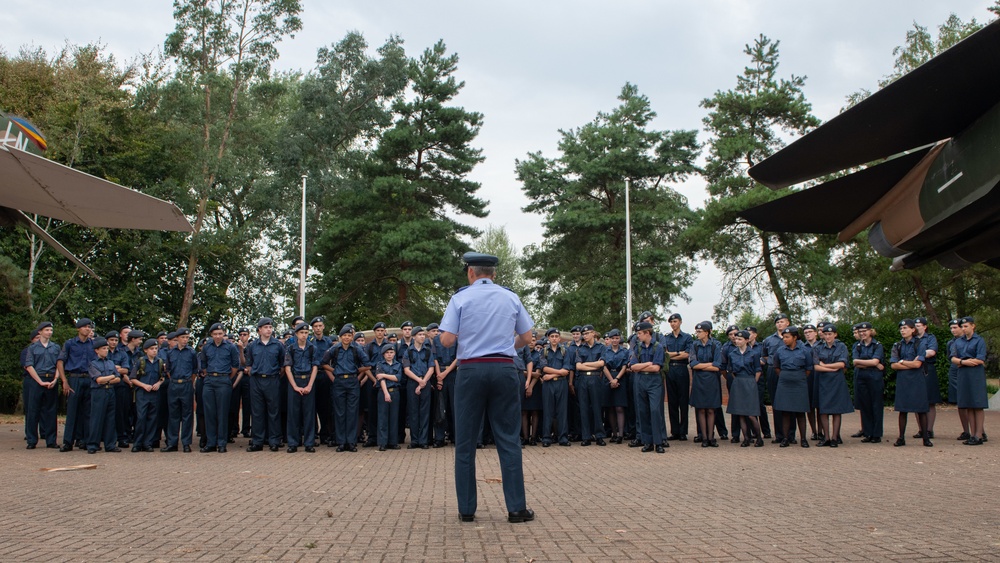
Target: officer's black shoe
x,y
601,442
274,448
635,443
207,449
526,515
546,444
381,448
137,448
31,446
222,449
310,450
858,434
467,517
647,448
660,449
168,449
585,443
784,443
899,442
252,448
964,436
292,449
113,450
187,449
341,448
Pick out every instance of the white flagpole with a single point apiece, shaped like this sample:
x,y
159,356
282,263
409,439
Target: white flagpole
x,y
302,262
628,262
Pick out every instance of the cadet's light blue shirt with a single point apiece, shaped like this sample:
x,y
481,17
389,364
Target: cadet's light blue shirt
x,y
908,351
799,359
485,318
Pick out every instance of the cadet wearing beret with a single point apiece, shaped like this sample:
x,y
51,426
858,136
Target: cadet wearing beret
x,y
324,394
489,323
240,397
770,347
388,373
165,343
373,351
573,410
615,374
182,366
220,361
119,354
301,363
868,357
265,358
418,368
589,365
970,357
956,332
103,376
811,339
676,344
445,365
345,366
705,357
404,342
744,366
645,361
907,359
793,364
930,370
42,399
832,396
73,369
555,366
148,374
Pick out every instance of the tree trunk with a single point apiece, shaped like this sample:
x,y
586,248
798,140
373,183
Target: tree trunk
x,y
772,275
926,299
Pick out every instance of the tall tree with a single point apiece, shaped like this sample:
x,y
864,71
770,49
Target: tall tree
x,y
748,124
579,269
221,47
392,230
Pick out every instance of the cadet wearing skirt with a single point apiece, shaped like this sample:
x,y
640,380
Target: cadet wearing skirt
x,y
745,369
832,396
792,364
930,370
907,359
970,354
705,357
956,332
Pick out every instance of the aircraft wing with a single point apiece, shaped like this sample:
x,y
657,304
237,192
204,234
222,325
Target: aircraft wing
x,y
35,184
933,102
13,217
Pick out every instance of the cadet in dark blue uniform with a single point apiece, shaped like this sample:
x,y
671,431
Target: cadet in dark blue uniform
x,y
770,346
956,332
401,345
676,344
324,394
930,370
705,357
345,366
589,366
133,348
765,426
182,366
103,376
645,362
445,366
970,356
832,396
265,358
531,393
373,351
123,390
811,339
744,367
555,365
793,364
388,373
73,369
301,363
240,407
573,400
615,372
720,417
418,366
907,359
220,360
164,345
868,358
42,399
24,377
148,374
489,323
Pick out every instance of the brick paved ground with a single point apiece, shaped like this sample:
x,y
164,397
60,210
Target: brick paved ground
x,y
858,502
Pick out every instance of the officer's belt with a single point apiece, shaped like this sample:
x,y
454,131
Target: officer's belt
x,y
490,359
589,372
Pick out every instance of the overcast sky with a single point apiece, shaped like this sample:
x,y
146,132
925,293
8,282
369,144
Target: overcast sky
x,y
533,68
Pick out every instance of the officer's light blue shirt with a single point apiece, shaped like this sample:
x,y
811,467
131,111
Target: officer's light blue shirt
x,y
77,355
220,359
302,359
182,363
42,358
265,359
486,318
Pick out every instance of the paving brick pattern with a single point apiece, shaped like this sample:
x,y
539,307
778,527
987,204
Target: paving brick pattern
x,y
857,502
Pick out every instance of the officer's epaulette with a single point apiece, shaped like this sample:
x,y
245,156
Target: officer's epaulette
x,y
463,288
507,288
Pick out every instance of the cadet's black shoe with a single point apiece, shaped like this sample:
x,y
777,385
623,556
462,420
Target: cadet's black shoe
x,y
341,448
480,446
221,449
877,440
964,436
310,450
31,446
168,449
759,443
635,443
441,444
683,438
734,440
814,437
984,438
80,444
137,448
745,443
660,449
368,444
767,435
381,448
546,444
566,444
230,440
723,436
526,515
89,451
252,448
647,448
713,443
899,442
113,450
585,443
697,439
208,449
203,442
784,444
804,443
824,443
187,449
122,444
834,444
618,440
53,446
292,449
274,448
928,443
705,444
393,447
354,448
69,447
601,442
465,517
858,434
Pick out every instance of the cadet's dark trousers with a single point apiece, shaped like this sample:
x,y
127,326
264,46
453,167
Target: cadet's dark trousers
x,y
40,410
573,408
346,396
588,392
102,419
493,389
403,412
447,395
772,387
302,414
199,407
234,408
284,391
123,410
649,397
868,396
388,416
554,395
162,411
765,427
364,411
246,407
264,397
661,413
180,399
77,409
370,395
324,407
146,405
418,410
678,393
216,396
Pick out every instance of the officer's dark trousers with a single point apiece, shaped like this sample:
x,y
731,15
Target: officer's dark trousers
x,y
588,392
199,408
180,404
493,389
346,395
264,397
123,410
447,395
772,386
234,408
216,396
40,410
554,395
649,397
324,407
418,409
77,410
102,419
868,396
146,405
369,394
388,417
765,427
302,414
678,393
163,411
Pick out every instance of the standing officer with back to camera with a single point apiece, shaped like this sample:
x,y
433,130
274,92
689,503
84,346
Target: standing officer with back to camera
x,y
489,323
